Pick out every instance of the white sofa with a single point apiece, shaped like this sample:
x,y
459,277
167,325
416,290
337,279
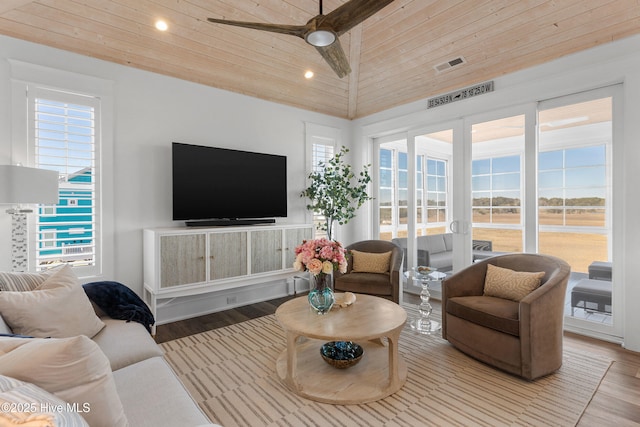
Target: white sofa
x,y
436,250
148,389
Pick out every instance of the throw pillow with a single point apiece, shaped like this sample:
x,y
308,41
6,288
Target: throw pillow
x,y
57,308
25,404
367,262
74,369
20,282
509,284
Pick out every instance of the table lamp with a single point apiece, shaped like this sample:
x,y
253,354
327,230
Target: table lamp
x,y
20,186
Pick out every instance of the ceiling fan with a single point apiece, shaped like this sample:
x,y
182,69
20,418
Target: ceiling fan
x,y
322,31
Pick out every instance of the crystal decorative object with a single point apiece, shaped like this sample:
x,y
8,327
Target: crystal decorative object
x,y
423,324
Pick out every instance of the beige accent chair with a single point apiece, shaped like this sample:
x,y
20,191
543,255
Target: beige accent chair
x,y
523,338
386,285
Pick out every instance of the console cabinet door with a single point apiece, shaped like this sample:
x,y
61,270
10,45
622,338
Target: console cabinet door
x,y
228,255
266,251
294,237
182,260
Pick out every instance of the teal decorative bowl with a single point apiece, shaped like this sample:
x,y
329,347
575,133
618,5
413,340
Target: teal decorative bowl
x,y
341,354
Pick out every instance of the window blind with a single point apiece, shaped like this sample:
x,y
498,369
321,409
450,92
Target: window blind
x,y
65,132
321,153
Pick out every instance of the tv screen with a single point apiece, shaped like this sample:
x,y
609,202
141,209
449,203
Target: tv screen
x,y
219,183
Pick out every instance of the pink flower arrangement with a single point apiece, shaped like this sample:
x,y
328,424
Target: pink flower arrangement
x,y
320,256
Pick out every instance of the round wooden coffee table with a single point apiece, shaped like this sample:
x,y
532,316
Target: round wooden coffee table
x,y
380,373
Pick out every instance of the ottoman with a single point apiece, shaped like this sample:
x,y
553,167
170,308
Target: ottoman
x,y
600,270
596,292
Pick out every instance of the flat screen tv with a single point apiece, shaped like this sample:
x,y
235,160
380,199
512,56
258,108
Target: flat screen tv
x,y
219,186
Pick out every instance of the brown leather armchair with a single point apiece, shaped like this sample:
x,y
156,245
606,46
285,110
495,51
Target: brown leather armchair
x,y
386,285
523,338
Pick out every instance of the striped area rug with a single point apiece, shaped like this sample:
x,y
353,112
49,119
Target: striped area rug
x,y
230,372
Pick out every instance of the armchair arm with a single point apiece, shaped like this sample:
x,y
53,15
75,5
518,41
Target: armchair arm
x,y
395,263
395,270
541,324
466,282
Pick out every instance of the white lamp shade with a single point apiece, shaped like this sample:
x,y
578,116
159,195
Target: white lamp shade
x,y
22,185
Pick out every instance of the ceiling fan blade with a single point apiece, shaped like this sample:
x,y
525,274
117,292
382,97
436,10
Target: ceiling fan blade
x,y
335,57
351,14
292,30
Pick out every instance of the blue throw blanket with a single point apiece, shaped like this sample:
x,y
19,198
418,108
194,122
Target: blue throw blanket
x,y
119,302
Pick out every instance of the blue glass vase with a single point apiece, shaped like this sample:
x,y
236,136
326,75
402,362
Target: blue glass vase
x,y
321,296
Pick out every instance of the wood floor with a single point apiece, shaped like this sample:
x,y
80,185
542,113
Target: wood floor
x,y
616,402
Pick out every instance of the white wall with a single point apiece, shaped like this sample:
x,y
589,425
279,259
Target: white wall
x,y
151,111
617,62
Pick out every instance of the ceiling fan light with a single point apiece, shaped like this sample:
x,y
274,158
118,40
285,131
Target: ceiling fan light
x,y
320,38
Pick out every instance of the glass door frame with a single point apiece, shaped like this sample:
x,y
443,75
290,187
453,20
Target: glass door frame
x,y
462,161
456,127
613,332
528,181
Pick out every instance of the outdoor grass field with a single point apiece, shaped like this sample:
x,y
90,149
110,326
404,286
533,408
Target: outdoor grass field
x,y
578,249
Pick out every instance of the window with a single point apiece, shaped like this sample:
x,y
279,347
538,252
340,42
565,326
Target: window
x,y
321,153
496,190
386,189
65,136
573,187
393,190
403,190
321,143
436,191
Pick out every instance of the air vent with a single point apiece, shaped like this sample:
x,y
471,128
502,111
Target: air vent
x,y
450,64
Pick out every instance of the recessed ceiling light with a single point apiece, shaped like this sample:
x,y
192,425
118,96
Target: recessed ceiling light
x,y
162,25
308,74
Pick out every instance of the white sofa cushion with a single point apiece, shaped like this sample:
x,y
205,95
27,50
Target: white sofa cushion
x,y
435,243
153,384
57,308
74,369
125,343
25,404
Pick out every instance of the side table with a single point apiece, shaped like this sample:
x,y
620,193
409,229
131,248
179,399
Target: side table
x,y
424,324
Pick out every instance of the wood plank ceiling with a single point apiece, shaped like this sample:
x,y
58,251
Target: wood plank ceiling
x,y
392,54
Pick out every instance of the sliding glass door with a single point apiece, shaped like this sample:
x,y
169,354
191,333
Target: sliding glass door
x,y
414,192
537,178
497,184
433,154
575,192
393,188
